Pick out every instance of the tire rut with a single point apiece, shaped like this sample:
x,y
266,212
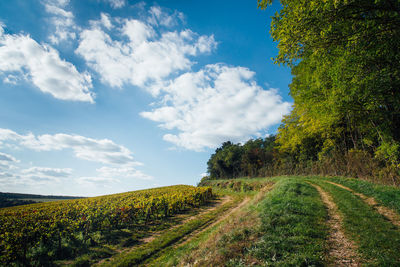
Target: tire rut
x,y
189,237
389,214
341,250
223,201
155,235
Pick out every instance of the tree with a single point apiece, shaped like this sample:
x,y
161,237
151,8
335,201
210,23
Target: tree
x,y
344,56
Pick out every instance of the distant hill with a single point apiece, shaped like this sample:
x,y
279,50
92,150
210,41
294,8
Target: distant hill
x,y
16,199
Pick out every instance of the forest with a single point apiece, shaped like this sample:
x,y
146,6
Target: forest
x,y
344,58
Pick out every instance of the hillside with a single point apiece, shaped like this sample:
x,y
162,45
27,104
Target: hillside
x,y
17,199
261,221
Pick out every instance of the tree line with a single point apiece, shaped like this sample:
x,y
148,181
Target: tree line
x,y
344,56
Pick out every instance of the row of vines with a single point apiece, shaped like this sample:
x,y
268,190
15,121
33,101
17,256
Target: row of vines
x,y
33,227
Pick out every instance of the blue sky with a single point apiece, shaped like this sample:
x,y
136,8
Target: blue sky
x,y
106,96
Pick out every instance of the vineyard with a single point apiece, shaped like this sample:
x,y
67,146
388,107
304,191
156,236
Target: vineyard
x,y
35,234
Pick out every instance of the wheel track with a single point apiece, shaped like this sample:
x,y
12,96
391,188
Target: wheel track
x,y
341,250
389,214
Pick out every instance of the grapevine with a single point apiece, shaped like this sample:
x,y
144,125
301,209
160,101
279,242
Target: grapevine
x,y
45,225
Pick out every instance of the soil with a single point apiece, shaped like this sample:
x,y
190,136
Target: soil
x,y
341,250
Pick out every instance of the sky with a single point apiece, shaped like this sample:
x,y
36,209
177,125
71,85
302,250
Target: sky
x,y
108,96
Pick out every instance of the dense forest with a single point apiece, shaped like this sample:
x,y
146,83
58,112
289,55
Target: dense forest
x,y
345,61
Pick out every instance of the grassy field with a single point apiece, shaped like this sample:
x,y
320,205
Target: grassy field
x,y
279,221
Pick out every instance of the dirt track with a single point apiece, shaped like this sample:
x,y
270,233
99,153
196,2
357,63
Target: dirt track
x,y
391,215
342,251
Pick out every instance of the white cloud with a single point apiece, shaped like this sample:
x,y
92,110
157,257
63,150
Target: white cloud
x,y
141,56
11,79
21,179
47,172
123,172
7,157
7,161
8,177
216,104
106,21
96,150
62,21
160,17
40,63
40,176
101,185
115,3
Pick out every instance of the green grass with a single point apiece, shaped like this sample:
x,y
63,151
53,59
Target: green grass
x,y
293,226
108,243
171,256
143,252
388,196
378,239
225,235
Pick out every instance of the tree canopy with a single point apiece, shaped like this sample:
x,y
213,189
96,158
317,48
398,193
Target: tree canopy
x,y
345,61
345,58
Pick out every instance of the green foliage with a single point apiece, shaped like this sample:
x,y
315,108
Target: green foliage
x,y
42,233
235,160
146,251
344,56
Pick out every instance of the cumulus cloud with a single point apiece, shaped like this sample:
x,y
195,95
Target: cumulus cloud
x,y
62,21
216,104
40,175
7,162
158,16
139,55
8,177
7,157
124,172
96,150
96,180
47,172
21,179
115,3
41,64
111,177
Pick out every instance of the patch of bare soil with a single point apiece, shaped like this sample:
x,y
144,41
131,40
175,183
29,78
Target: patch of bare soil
x,y
342,251
390,214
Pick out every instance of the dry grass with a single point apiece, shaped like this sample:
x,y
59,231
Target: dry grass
x,y
230,242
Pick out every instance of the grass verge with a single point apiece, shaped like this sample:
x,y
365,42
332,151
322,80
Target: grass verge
x,y
222,244
385,195
143,252
293,229
378,240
